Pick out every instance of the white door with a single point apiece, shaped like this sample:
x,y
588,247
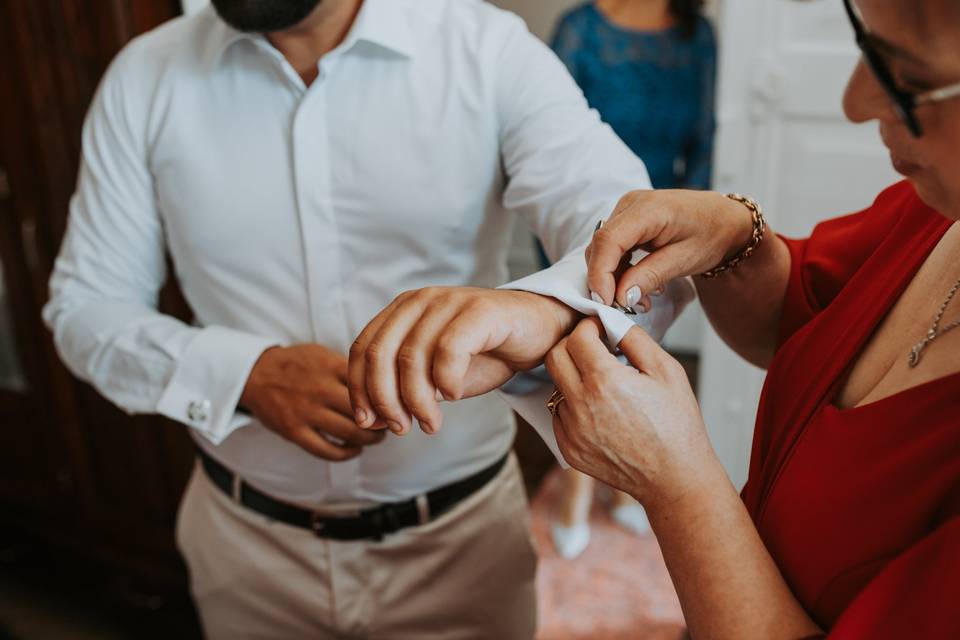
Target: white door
x,y
782,139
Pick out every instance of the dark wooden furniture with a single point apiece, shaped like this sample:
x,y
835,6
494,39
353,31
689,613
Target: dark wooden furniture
x,y
74,471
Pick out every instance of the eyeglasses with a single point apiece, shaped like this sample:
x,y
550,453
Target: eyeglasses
x,y
905,103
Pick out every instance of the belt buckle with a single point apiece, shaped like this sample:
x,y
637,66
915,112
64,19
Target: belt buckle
x,y
317,523
423,509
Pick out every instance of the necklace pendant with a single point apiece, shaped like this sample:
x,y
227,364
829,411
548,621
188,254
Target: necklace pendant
x,y
914,357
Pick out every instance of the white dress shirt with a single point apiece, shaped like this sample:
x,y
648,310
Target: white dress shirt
x,y
294,214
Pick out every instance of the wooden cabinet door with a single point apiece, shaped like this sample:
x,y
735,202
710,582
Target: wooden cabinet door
x,y
63,446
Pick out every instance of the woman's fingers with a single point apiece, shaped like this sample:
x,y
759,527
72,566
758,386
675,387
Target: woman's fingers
x,y
587,348
633,224
652,273
563,371
646,355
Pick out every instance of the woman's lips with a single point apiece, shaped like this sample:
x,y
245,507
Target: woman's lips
x,y
904,167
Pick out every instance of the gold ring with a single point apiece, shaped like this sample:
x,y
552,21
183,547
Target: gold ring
x,y
553,402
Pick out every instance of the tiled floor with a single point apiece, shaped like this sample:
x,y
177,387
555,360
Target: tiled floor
x,y
617,589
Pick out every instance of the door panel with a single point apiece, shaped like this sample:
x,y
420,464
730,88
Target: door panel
x,y
783,139
71,464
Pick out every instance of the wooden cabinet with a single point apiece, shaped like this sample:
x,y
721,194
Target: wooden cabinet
x,y
73,468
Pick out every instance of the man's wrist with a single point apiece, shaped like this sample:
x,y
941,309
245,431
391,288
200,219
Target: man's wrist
x,y
559,314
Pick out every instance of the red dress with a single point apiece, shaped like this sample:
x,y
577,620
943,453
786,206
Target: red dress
x,y
860,508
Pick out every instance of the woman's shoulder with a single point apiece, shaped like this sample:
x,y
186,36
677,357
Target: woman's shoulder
x,y
898,195
899,202
578,16
703,34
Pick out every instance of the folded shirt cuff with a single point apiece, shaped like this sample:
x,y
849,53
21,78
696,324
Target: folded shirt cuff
x,y
566,281
209,379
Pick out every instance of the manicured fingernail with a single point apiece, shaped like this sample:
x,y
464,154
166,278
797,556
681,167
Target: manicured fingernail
x,y
633,296
596,297
394,426
645,304
657,293
427,428
361,416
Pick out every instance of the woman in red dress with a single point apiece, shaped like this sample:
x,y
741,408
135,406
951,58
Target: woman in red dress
x,y
849,525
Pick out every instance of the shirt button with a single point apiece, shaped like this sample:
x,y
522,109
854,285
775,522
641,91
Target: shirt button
x,y
199,412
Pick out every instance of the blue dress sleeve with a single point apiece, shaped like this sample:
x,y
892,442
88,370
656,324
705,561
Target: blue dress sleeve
x,y
699,151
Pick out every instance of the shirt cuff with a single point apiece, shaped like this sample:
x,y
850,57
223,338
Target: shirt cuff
x,y
566,281
209,379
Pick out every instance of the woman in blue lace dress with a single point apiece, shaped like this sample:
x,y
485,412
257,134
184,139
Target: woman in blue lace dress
x,y
649,68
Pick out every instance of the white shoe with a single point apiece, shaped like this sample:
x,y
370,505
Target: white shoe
x,y
632,517
570,541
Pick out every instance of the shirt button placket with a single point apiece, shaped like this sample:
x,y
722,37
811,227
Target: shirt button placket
x,y
314,196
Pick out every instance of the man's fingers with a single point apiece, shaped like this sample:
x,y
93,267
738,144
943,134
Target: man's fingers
x,y
314,443
363,412
484,368
418,391
338,399
467,335
645,354
342,428
380,365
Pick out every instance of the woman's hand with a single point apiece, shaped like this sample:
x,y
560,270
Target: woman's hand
x,y
638,430
685,232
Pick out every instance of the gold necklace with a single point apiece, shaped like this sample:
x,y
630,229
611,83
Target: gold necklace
x,y
934,330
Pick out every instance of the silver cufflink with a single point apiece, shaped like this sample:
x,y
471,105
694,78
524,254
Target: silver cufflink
x,y
199,412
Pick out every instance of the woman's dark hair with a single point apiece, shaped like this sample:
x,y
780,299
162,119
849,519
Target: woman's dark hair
x,y
687,12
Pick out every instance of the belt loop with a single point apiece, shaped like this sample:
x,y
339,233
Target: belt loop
x,y
423,509
237,483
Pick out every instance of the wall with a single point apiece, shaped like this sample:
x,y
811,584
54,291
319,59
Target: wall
x,y
541,15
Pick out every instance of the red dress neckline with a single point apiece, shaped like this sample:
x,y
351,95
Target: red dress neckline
x,y
859,507
846,323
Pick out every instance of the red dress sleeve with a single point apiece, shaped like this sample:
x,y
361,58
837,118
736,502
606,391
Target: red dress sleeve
x,y
917,595
822,264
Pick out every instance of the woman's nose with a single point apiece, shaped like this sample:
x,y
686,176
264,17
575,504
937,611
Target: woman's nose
x,y
864,98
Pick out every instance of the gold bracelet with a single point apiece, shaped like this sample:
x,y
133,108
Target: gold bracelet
x,y
758,228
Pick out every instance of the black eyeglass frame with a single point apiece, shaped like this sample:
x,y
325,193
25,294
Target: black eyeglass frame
x,y
905,103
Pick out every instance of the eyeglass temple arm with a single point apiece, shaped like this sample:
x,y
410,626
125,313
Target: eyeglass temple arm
x,y
939,95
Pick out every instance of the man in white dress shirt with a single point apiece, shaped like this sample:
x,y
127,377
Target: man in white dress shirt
x,y
303,162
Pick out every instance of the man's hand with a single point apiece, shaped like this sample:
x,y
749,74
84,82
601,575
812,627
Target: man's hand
x,y
459,342
300,393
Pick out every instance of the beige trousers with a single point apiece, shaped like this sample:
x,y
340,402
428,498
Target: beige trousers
x,y
468,574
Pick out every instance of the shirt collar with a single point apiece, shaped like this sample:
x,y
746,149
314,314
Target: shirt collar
x,y
382,23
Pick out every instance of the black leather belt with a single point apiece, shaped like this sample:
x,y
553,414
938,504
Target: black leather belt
x,y
373,523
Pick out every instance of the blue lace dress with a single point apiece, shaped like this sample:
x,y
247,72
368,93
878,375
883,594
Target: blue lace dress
x,y
654,88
